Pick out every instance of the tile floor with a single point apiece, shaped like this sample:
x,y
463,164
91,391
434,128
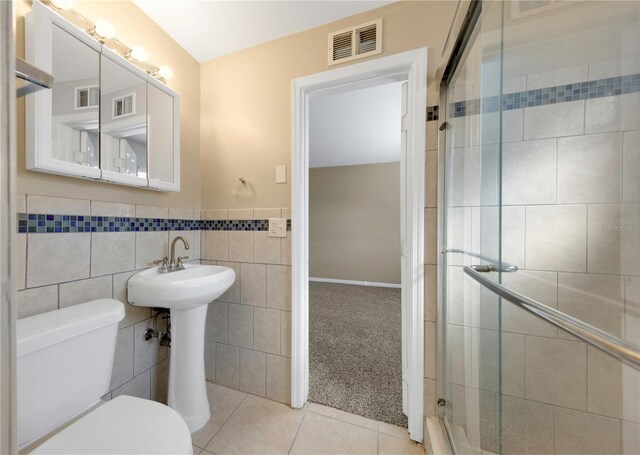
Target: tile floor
x,y
246,424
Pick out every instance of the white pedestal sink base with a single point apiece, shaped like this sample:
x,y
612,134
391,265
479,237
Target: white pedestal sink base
x,y
187,381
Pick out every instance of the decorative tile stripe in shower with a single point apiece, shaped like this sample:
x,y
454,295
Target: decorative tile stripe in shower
x,y
29,223
576,91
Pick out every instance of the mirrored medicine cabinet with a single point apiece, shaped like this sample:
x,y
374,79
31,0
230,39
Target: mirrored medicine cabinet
x,y
105,118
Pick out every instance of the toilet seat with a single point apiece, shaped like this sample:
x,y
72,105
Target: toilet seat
x,y
124,425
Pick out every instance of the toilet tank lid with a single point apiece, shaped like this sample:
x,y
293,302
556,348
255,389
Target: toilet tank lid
x,y
46,329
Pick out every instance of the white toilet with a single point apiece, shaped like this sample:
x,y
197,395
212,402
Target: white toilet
x,y
65,358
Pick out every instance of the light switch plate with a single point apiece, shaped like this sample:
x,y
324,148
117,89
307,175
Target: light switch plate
x,y
281,174
277,227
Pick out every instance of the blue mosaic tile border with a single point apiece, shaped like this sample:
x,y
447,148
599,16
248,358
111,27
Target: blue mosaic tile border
x,y
577,91
30,223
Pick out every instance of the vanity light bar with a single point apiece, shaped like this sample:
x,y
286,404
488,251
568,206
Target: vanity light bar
x,y
104,32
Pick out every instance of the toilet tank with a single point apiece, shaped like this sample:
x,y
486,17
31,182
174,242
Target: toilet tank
x,y
64,359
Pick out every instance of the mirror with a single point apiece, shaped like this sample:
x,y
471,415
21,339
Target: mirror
x,y
161,135
123,120
75,100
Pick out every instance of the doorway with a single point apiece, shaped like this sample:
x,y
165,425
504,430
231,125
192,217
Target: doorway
x,y
410,67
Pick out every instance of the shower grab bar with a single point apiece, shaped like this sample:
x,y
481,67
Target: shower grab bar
x,y
36,78
621,349
491,267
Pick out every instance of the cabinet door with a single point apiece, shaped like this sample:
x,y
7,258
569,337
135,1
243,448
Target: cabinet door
x,y
62,134
123,122
164,138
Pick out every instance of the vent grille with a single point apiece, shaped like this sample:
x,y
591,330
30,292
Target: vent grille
x,y
355,42
342,45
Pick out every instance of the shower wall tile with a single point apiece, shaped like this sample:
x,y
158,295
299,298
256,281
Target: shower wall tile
x,y
599,157
556,238
554,120
630,438
37,300
613,388
556,372
540,286
559,76
112,252
529,172
430,293
527,426
431,179
57,258
586,434
430,350
612,113
82,291
595,299
630,166
57,205
613,243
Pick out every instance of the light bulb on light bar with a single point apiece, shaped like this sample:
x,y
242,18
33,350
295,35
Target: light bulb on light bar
x,y
165,72
62,4
104,29
138,54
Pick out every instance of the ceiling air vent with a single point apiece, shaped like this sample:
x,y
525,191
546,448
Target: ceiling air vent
x,y
355,42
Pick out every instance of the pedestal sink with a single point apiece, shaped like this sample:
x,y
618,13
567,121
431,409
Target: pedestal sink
x,y
187,294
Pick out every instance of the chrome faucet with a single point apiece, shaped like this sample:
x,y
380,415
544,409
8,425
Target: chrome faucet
x,y
176,264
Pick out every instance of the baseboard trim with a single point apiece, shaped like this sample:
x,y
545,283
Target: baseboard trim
x,y
357,283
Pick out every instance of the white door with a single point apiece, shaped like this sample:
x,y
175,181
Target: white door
x,y
404,263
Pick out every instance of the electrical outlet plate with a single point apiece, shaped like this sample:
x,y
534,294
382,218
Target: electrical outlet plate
x,y
277,227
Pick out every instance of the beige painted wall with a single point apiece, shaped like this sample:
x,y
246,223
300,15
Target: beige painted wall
x,y
133,28
246,98
354,222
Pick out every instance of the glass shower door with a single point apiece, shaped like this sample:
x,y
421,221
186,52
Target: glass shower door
x,y
473,236
542,191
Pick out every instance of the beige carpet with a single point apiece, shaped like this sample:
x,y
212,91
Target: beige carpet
x,y
355,350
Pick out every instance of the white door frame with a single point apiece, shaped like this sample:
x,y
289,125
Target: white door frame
x,y
411,66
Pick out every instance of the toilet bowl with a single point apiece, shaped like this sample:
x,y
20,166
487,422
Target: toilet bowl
x,y
65,358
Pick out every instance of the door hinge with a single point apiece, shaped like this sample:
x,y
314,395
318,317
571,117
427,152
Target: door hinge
x,y
443,126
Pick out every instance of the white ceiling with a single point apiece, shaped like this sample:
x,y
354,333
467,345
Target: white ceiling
x,y
355,127
209,29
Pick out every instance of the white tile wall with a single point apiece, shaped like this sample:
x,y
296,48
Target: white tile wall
x,y
529,172
554,120
556,238
597,177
